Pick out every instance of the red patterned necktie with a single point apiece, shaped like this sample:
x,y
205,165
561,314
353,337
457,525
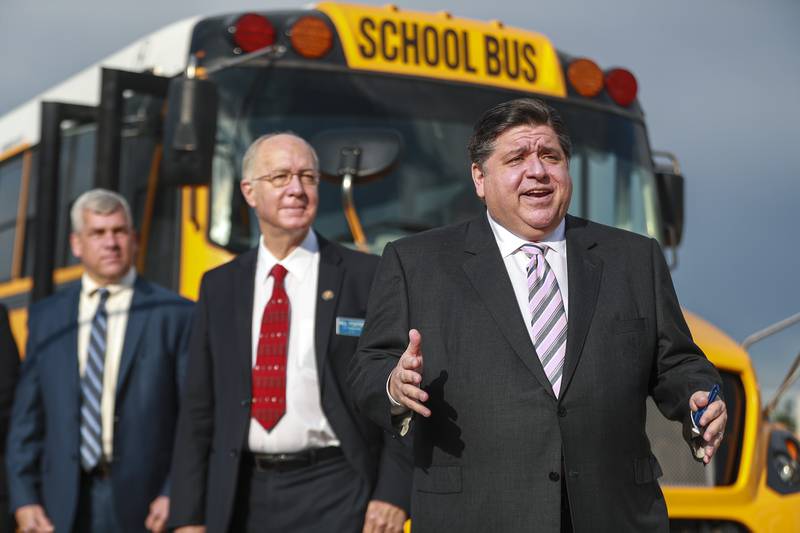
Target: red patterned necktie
x,y
269,374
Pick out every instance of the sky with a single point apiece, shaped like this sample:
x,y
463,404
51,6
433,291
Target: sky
x,y
718,79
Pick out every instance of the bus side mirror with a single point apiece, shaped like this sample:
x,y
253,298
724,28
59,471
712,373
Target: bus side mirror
x,y
669,184
364,154
350,157
190,132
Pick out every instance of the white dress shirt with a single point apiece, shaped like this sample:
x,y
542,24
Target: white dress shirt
x,y
117,307
303,425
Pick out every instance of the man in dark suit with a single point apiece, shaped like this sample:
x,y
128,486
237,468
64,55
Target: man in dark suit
x,y
97,403
9,372
268,439
542,335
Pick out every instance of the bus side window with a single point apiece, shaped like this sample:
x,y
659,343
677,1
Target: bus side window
x,y
30,216
10,181
76,175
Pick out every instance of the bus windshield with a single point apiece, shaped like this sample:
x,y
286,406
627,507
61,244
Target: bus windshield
x,y
431,186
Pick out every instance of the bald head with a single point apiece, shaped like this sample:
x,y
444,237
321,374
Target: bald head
x,y
273,141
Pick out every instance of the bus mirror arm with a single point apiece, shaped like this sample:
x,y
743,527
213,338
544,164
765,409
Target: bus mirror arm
x,y
793,374
788,381
349,161
672,256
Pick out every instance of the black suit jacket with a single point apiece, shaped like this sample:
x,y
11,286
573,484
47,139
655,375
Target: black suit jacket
x,y
9,372
493,453
215,418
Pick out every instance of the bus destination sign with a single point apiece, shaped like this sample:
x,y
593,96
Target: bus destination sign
x,y
440,46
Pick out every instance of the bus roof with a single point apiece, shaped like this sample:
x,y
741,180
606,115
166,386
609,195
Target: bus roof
x,y
162,52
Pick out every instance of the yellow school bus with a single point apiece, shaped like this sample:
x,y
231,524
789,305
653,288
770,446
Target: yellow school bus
x,y
166,121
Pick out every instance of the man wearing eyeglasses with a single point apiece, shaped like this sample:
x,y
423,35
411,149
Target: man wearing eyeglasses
x,y
268,439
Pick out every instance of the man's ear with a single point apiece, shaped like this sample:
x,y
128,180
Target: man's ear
x,y
246,186
75,244
477,179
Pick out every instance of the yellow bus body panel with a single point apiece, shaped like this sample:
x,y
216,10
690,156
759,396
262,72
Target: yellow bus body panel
x,y
198,254
749,500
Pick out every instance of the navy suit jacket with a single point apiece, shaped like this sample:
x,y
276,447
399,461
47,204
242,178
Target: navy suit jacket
x,y
44,438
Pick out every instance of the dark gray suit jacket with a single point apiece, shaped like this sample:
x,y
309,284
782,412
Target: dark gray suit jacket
x,y
215,415
492,455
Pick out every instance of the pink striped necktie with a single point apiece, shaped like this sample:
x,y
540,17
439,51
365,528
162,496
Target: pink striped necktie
x,y
548,318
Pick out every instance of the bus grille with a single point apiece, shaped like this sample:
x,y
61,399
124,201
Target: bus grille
x,y
672,452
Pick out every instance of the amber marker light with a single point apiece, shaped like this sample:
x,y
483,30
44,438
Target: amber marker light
x,y
311,37
253,32
791,447
621,86
585,77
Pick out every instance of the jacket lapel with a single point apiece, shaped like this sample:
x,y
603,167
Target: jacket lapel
x,y
584,270
487,273
329,285
68,358
138,315
243,291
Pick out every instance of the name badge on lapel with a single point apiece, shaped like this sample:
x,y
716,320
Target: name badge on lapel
x,y
349,327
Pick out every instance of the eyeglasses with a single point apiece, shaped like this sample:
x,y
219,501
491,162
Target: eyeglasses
x,y
282,178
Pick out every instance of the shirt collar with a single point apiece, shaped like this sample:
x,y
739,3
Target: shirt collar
x,y
297,263
89,286
510,243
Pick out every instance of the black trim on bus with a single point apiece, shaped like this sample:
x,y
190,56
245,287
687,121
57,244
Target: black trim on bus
x,y
109,119
53,114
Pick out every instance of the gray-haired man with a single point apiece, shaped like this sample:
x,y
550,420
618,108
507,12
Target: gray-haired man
x,y
96,406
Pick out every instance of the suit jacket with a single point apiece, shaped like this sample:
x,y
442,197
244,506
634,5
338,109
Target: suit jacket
x,y
44,439
9,372
215,415
492,455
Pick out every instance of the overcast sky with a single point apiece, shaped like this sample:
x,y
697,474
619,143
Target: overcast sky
x,y
719,81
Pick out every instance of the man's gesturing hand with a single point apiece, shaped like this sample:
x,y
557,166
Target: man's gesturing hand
x,y
713,421
406,377
383,517
32,519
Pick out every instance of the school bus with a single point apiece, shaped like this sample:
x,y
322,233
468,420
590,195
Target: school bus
x,y
166,121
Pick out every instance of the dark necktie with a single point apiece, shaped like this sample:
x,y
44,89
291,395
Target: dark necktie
x,y
92,388
269,374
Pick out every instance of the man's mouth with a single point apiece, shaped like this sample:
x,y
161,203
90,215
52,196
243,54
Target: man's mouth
x,y
538,193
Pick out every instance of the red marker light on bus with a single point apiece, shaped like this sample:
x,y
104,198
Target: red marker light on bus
x,y
621,86
253,32
585,77
311,37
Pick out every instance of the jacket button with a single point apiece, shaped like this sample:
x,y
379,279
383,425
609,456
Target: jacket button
x,y
562,411
245,402
554,476
234,452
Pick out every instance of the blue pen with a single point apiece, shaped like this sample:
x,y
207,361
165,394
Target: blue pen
x,y
697,415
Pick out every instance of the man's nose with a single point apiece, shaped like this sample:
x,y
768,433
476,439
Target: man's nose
x,y
295,186
110,240
535,168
